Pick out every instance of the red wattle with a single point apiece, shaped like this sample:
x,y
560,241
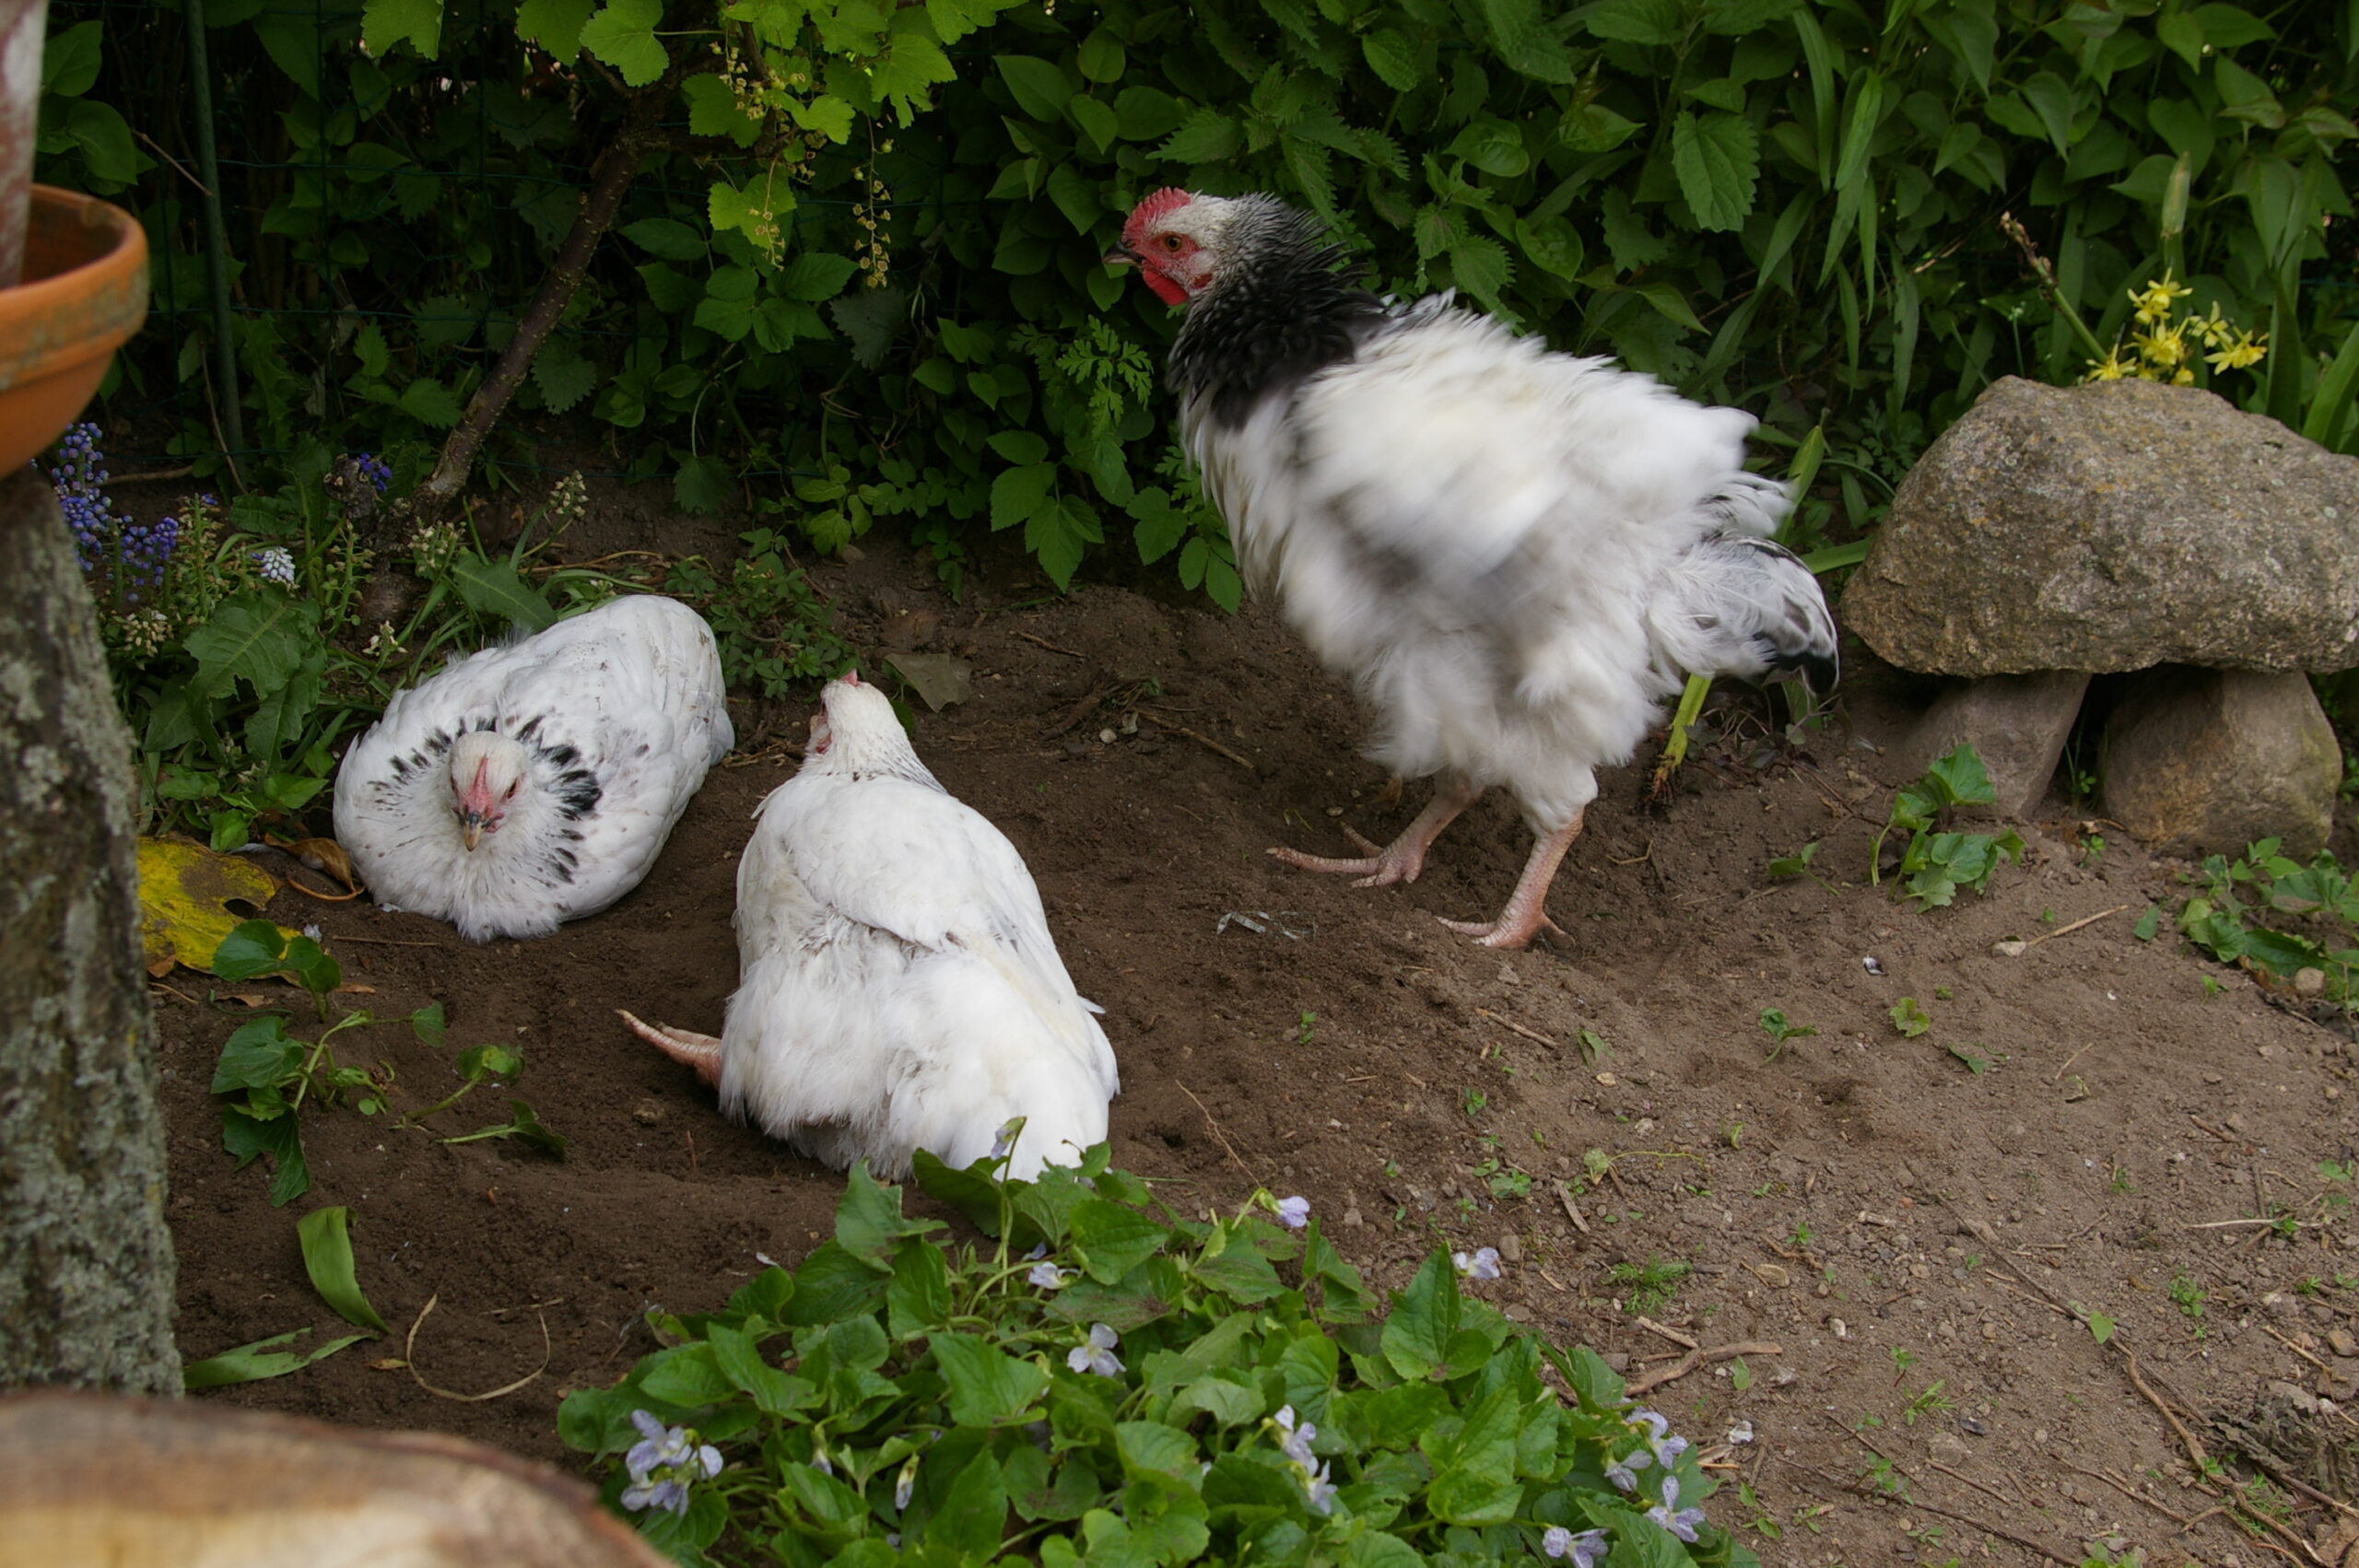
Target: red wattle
x,y
1166,290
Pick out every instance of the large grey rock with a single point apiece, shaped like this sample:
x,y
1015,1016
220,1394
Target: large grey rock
x,y
2016,724
2205,760
2110,527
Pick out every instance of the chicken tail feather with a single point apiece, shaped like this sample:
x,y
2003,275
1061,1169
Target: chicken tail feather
x,y
1741,606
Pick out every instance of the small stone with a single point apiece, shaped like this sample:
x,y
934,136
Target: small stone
x,y
1608,1080
1508,976
2341,1342
1351,1218
1619,1360
647,1113
1510,1248
2016,724
2201,761
2011,948
2309,984
1773,1276
1106,736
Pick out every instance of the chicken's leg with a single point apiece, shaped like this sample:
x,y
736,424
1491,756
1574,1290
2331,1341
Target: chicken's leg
x,y
1401,860
684,1046
1526,911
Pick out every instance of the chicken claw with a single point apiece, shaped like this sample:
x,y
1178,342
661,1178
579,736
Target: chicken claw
x,y
1404,857
684,1046
1526,914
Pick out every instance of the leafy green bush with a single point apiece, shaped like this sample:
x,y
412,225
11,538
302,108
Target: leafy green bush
x,y
859,262
1939,860
1137,1387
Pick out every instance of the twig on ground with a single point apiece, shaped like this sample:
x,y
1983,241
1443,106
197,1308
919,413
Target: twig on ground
x,y
1204,741
1674,1335
1697,1357
392,941
1513,1027
1216,1132
2068,931
1572,1210
409,1357
1052,648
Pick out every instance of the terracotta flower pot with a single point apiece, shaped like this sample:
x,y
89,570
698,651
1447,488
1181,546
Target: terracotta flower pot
x,y
85,292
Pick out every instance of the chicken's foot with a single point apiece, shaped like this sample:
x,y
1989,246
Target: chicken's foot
x,y
1404,857
1526,912
684,1046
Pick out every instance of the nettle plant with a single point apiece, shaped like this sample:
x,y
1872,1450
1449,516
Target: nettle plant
x,y
1102,1380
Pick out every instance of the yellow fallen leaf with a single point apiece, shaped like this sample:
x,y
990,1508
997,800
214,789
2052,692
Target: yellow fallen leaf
x,y
184,893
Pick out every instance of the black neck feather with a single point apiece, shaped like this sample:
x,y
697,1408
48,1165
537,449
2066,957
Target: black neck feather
x,y
1279,312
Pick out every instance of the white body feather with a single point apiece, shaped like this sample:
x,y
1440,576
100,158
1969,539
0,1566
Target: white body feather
x,y
1514,554
624,704
899,989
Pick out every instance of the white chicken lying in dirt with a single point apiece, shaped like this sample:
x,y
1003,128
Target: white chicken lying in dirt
x,y
534,783
898,987
1514,555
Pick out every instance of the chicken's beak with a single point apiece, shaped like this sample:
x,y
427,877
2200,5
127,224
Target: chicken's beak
x,y
470,828
1121,255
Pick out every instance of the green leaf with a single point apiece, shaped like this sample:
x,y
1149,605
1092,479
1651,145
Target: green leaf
x,y
2100,1327
1040,88
258,637
713,111
815,277
69,61
1908,1018
1109,1240
245,1135
665,237
327,1258
1717,159
495,588
428,401
622,34
973,1513
1017,493
987,1385
554,25
1425,1317
1492,146
252,1363
386,23
1206,136
564,382
1148,1447
1479,264
1241,1273
1637,21
702,484
739,1360
1393,58
869,1221
428,1024
257,1054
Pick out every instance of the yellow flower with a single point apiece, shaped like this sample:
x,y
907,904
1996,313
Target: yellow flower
x,y
2245,351
2112,367
2163,350
2155,300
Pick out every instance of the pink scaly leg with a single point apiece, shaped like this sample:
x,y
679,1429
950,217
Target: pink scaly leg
x,y
1401,860
1526,912
684,1046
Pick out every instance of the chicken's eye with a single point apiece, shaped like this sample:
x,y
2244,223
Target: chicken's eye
x,y
511,790
1172,243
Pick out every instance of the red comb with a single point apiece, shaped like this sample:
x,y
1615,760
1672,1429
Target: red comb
x,y
1170,199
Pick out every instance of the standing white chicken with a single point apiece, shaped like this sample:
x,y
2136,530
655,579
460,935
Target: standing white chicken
x,y
1514,555
899,989
534,783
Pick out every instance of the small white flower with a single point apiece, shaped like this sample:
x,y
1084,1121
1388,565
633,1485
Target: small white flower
x,y
1584,1549
1298,1439
1097,1356
1624,1472
664,1463
276,565
1005,1138
1740,1433
1681,1522
1319,1491
1481,1265
1293,1212
1049,1277
313,932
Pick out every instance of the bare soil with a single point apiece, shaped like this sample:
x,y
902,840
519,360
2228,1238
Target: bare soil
x,y
1910,1245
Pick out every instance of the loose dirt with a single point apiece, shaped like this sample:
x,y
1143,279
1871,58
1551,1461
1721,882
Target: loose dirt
x,y
1915,1245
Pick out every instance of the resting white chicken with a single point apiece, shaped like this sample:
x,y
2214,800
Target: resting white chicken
x,y
534,783
1514,555
898,987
